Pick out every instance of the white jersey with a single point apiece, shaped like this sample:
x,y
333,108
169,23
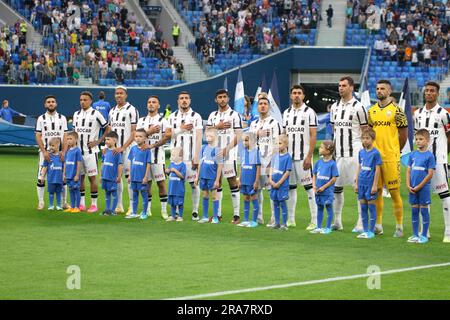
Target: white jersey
x,y
226,136
296,123
87,123
185,139
51,126
157,154
436,121
347,119
121,120
266,144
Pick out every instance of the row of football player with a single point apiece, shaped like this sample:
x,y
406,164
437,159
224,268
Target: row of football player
x,y
349,117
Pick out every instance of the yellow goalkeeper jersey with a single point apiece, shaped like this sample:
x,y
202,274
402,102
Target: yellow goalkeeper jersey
x,y
386,122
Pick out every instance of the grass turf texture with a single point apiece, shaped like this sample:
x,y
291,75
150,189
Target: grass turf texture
x,y
154,259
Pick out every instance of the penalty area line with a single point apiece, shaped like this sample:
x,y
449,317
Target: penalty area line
x,y
310,282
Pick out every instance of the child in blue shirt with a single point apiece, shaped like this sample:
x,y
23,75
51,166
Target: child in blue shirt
x,y
420,170
366,184
54,171
209,175
249,179
111,173
139,172
280,168
177,175
72,167
325,174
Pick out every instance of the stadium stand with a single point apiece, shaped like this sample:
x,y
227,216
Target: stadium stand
x,y
98,39
408,38
229,34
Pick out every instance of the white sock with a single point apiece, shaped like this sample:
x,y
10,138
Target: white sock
x,y
94,199
292,204
40,192
359,222
220,196
446,212
236,199
130,195
338,205
149,206
64,194
120,194
261,203
312,205
195,198
272,210
83,199
163,204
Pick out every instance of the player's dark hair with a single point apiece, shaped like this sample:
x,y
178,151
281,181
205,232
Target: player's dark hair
x,y
384,81
101,95
349,79
49,97
184,92
86,93
112,134
155,97
221,91
369,132
424,133
142,131
433,84
297,86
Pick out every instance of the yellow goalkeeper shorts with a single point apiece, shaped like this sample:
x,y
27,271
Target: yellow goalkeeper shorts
x,y
390,175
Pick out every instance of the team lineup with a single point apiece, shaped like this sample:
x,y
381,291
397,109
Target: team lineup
x,y
274,156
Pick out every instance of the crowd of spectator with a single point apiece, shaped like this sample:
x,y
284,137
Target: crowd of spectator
x,y
262,25
411,30
99,39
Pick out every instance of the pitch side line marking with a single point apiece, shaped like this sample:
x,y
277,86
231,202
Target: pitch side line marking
x,y
305,283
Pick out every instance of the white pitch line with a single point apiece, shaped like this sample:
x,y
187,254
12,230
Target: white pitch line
x,y
305,283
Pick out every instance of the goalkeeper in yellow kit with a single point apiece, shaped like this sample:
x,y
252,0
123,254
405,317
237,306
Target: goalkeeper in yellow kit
x,y
391,127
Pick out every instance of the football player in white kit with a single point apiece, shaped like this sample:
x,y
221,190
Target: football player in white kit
x,y
88,122
156,126
123,120
300,125
229,128
348,117
49,125
267,130
436,120
185,128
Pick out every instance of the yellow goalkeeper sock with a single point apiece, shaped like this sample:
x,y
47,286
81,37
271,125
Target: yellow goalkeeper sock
x,y
398,206
379,204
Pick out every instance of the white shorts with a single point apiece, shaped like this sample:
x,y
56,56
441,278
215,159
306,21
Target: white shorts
x,y
347,171
298,175
439,181
126,163
264,177
190,174
229,169
157,172
40,164
89,165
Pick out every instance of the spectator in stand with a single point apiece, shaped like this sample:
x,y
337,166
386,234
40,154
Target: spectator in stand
x,y
329,16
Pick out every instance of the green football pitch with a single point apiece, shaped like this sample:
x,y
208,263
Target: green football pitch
x,y
153,259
